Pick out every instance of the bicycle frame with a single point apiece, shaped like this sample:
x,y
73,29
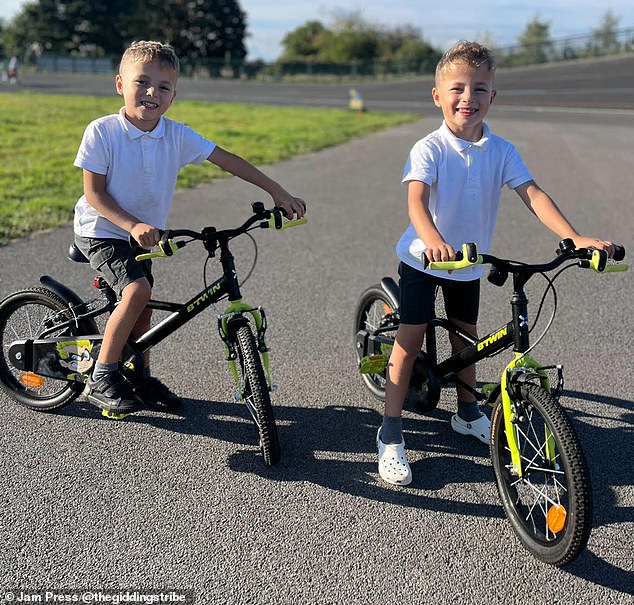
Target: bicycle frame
x,y
43,355
437,374
516,334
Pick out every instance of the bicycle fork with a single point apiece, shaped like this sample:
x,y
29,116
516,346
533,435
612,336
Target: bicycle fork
x,y
521,370
234,314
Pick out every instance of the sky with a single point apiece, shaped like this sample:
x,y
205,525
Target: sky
x,y
500,22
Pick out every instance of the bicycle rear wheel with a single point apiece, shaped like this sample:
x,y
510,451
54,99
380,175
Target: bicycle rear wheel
x,y
25,315
256,395
550,505
375,311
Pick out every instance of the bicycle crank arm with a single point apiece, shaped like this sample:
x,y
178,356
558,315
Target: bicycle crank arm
x,y
63,358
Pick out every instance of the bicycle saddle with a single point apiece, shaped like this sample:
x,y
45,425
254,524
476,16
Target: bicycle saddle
x,y
75,254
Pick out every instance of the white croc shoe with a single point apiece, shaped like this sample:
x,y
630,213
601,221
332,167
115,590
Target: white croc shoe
x,y
393,465
480,428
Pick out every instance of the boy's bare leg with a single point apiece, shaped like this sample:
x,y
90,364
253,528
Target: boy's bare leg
x,y
408,342
469,420
393,465
143,324
123,320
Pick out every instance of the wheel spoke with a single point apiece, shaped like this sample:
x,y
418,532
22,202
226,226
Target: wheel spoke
x,y
550,503
24,315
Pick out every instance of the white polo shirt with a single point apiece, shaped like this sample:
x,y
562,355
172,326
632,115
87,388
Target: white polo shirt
x,y
466,181
141,169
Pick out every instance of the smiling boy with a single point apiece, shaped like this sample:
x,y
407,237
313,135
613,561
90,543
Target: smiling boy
x,y
130,164
454,178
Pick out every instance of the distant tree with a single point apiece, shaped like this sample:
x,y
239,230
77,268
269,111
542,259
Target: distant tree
x,y
535,43
98,28
71,26
606,35
196,28
38,25
304,41
352,39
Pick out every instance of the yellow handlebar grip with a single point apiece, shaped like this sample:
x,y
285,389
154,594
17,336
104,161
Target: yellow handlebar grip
x,y
169,248
599,263
615,268
149,255
294,223
454,265
286,224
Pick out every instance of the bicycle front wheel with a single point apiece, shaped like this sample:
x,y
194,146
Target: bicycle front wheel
x,y
375,313
256,395
550,505
26,315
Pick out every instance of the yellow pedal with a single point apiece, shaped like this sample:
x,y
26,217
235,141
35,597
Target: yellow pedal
x,y
113,416
373,364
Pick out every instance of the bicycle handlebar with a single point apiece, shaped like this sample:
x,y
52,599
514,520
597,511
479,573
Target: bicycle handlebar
x,y
269,219
587,258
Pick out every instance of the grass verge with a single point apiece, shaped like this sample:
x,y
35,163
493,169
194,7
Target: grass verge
x,y
40,135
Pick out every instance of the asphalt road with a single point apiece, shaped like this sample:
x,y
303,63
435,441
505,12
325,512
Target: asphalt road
x,y
183,501
597,84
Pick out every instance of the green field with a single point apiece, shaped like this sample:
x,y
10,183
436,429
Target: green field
x,y
40,134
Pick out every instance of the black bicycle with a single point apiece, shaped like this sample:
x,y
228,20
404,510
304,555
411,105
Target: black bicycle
x,y
50,339
541,473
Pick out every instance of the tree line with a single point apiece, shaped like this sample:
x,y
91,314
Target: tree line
x,y
206,32
198,29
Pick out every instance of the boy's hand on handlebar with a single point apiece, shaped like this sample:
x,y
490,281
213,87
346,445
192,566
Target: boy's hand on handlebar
x,y
440,252
146,235
593,242
290,205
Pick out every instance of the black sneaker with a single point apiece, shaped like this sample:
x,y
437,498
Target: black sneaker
x,y
153,392
113,394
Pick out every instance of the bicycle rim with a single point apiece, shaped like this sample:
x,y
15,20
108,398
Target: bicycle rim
x,y
25,315
375,311
550,505
256,395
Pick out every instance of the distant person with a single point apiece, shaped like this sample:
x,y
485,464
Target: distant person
x,y
130,163
12,70
454,178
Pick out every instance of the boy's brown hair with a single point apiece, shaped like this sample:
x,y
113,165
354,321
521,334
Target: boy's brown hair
x,y
146,51
466,53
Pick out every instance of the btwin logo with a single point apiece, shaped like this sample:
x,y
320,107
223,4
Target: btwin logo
x,y
203,297
489,340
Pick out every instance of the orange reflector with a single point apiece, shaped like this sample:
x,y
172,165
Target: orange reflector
x,y
387,309
556,518
32,380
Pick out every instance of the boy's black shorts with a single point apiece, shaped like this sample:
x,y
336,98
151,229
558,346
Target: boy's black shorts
x,y
114,260
418,296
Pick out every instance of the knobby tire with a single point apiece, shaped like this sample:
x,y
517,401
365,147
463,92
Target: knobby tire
x,y
256,395
559,481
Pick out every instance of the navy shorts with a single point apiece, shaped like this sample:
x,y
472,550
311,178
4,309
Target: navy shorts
x,y
114,260
418,297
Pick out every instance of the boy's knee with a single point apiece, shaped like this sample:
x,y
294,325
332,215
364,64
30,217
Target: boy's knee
x,y
137,293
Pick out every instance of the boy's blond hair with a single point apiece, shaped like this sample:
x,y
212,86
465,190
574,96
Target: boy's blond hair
x,y
146,51
466,53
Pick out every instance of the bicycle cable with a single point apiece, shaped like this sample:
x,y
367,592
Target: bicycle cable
x,y
552,316
241,283
549,286
255,259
